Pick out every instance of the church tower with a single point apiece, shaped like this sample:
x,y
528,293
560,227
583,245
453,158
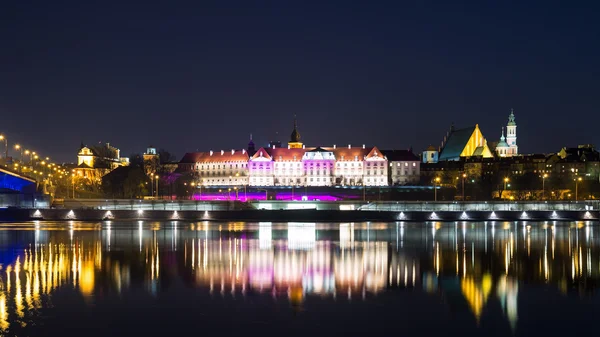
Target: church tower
x,y
295,142
511,135
251,147
502,147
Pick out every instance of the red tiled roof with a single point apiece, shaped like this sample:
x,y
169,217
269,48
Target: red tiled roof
x,y
348,154
262,152
375,153
217,156
287,154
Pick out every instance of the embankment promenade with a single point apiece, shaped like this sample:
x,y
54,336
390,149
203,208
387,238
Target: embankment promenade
x,y
301,211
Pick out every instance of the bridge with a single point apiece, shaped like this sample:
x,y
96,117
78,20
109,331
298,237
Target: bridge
x,y
17,190
15,182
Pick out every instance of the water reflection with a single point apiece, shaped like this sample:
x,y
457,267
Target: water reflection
x,y
475,264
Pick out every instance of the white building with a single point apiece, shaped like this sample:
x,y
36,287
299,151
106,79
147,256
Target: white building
x,y
224,168
507,147
404,167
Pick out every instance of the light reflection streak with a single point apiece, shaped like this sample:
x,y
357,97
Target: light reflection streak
x,y
305,262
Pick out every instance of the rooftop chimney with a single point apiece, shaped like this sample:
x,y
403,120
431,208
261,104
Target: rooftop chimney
x,y
243,151
211,152
334,146
232,151
222,152
288,146
349,146
303,146
273,145
363,146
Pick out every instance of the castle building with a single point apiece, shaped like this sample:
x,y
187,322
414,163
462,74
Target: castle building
x,y
507,146
295,165
225,168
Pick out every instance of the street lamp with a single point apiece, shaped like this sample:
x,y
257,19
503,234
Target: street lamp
x,y
73,183
506,180
464,176
156,178
435,182
193,184
576,185
544,176
2,137
20,149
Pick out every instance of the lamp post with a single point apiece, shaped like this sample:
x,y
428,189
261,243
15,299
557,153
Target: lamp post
x,y
464,176
73,183
435,182
544,176
3,137
152,185
505,182
193,184
576,186
156,178
20,149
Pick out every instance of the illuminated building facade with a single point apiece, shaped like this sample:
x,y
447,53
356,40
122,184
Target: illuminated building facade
x,y
404,167
297,165
464,143
507,146
224,168
93,162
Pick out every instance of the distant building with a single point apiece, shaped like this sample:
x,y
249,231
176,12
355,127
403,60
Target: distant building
x,y
507,146
224,168
464,143
95,161
430,155
404,167
151,161
295,165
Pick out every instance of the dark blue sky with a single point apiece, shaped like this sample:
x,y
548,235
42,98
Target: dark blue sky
x,y
204,75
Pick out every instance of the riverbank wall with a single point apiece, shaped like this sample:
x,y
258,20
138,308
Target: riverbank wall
x,y
303,215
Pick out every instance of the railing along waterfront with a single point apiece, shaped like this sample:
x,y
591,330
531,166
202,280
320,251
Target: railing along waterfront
x,y
393,206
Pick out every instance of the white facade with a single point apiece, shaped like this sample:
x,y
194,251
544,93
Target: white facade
x,y
260,169
294,167
224,168
511,135
405,172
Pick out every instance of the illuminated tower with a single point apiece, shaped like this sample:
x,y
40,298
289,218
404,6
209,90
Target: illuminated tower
x,y
511,135
295,142
502,148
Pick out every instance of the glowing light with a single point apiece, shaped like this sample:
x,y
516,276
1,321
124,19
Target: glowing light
x,y
108,215
175,215
37,214
140,212
587,215
301,235
401,216
71,215
433,216
554,215
464,216
524,215
493,215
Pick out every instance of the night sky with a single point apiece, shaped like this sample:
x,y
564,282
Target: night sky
x,y
204,75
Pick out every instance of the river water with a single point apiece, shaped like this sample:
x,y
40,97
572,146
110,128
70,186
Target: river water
x,y
298,279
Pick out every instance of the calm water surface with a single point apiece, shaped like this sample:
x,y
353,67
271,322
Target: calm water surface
x,y
299,279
